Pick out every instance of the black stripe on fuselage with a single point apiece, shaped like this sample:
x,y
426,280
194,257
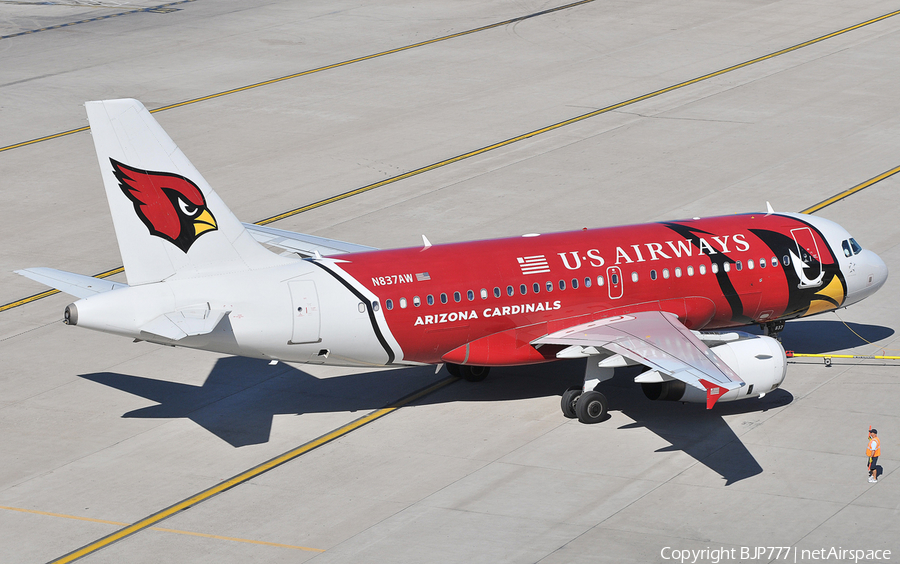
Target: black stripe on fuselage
x,y
365,300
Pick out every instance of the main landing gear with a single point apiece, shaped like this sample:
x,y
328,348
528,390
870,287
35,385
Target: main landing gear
x,y
585,402
469,373
589,407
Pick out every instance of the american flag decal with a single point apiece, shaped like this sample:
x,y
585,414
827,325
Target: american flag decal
x,y
422,276
534,265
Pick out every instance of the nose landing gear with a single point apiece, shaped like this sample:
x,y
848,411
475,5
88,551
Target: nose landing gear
x,y
772,329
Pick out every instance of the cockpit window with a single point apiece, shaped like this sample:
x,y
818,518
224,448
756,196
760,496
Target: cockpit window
x,y
855,246
846,246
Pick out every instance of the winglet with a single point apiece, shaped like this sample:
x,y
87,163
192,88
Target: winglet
x,y
425,241
769,210
713,392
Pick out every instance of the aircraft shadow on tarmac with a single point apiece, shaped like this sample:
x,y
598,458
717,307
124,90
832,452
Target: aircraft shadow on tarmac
x,y
241,396
823,336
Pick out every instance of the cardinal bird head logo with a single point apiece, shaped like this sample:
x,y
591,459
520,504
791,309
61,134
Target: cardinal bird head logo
x,y
171,206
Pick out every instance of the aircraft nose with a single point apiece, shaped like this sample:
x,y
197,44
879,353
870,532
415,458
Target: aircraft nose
x,y
879,271
870,274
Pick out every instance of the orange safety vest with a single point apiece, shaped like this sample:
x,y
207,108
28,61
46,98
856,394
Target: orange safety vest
x,y
877,451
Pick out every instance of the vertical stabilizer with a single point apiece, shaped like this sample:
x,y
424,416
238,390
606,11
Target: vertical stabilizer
x,y
168,220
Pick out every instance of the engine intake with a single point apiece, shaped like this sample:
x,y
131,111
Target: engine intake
x,y
758,360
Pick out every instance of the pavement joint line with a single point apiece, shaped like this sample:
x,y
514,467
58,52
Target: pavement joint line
x,y
415,172
161,529
310,71
151,520
150,9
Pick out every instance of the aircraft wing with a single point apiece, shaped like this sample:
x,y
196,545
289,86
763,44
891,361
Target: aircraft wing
x,y
305,245
658,340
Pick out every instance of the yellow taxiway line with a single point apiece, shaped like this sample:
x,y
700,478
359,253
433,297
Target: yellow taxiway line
x,y
306,72
510,141
151,520
851,191
161,529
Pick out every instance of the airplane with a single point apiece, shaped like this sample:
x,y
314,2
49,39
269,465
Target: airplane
x,y
664,295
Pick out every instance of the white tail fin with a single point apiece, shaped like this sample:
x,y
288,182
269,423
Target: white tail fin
x,y
168,220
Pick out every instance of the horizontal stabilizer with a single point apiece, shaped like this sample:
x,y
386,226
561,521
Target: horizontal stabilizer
x,y
77,285
184,323
305,245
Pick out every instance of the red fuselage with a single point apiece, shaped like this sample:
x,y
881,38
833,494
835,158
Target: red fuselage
x,y
483,302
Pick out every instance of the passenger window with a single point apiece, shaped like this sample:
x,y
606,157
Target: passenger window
x,y
587,282
562,284
690,270
738,265
786,260
774,262
666,273
677,272
416,301
536,287
750,264
389,304
375,305
471,295
510,291
634,276
714,267
430,299
613,279
702,269
402,303
496,292
443,298
762,263
574,283
457,297
652,275
483,294
600,281
549,286
727,266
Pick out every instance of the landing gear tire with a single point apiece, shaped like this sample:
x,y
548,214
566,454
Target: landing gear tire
x,y
474,373
452,369
591,407
567,403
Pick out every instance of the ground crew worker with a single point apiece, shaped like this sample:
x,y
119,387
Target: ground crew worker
x,y
873,451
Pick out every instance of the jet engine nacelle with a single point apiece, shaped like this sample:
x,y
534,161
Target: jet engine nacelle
x,y
759,361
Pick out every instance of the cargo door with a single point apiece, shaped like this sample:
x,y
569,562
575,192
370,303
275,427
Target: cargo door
x,y
305,312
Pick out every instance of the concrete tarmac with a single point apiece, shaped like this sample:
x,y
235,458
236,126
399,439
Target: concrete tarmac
x,y
97,432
